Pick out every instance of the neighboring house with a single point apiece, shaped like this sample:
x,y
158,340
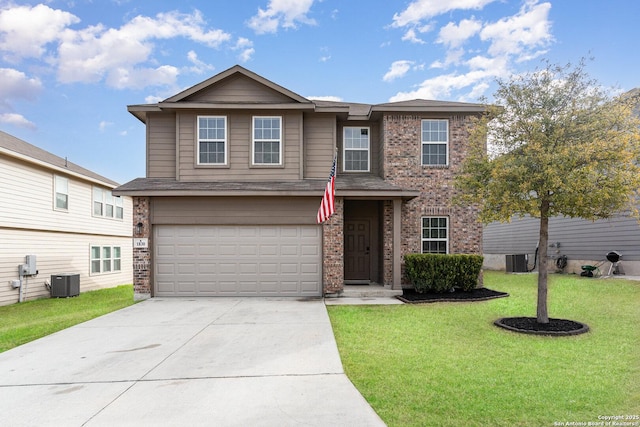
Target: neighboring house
x,y
583,242
65,216
236,168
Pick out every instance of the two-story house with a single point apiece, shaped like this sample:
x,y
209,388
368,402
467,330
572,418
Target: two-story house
x,y
64,218
236,169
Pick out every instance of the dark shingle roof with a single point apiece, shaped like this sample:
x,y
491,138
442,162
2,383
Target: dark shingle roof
x,y
346,185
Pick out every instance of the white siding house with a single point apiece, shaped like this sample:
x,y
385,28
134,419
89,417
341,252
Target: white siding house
x,y
63,214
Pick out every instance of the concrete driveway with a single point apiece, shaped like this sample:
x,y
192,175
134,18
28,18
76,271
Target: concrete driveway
x,y
186,362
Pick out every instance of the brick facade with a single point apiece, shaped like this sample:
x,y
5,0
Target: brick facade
x,y
333,250
141,256
403,168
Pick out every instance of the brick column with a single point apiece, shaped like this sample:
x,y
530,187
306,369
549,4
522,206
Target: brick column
x,y
141,256
387,242
333,251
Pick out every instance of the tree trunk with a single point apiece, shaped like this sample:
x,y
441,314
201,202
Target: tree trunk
x,y
542,312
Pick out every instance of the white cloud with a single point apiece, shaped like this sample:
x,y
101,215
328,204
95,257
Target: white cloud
x,y
420,10
442,86
97,53
519,34
15,84
411,36
281,13
398,69
16,120
245,46
453,35
138,78
123,57
198,66
26,30
503,43
103,125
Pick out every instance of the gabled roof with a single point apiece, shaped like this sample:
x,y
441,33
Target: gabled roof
x,y
196,97
236,69
19,149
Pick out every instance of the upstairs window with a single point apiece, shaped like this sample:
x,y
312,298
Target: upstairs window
x,y
212,140
356,149
267,140
435,142
435,235
61,190
106,204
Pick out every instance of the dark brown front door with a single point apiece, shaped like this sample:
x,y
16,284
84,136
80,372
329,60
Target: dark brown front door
x,y
357,263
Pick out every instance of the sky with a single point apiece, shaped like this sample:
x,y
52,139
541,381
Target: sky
x,y
69,68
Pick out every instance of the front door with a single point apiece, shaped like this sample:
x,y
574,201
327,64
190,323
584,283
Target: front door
x,y
357,250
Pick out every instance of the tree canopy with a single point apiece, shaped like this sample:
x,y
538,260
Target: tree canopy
x,y
555,136
556,143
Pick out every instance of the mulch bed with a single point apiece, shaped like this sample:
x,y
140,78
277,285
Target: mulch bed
x,y
530,325
410,296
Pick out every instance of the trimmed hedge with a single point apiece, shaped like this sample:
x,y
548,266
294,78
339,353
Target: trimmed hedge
x,y
441,273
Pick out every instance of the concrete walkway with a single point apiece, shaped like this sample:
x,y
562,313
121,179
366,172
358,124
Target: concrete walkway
x,y
186,362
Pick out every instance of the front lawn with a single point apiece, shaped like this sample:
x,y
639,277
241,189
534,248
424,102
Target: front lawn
x,y
446,364
27,321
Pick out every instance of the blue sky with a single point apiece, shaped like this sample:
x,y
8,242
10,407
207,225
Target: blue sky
x,y
69,68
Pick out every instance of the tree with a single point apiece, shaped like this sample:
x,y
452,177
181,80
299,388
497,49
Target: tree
x,y
559,144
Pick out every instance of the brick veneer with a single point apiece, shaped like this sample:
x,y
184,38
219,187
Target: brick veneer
x,y
141,256
402,167
333,250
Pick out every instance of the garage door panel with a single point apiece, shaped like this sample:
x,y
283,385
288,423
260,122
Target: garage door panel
x,y
237,260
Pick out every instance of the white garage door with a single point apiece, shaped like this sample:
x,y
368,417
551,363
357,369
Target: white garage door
x,y
237,260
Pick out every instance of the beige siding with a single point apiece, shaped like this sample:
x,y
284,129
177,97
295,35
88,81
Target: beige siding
x,y
319,144
239,88
161,155
235,210
56,253
28,202
239,141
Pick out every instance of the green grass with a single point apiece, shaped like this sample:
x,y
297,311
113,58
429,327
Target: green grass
x,y
446,364
27,321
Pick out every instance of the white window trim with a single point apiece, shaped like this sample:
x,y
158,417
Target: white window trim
x,y
344,150
429,239
226,141
254,140
423,143
116,202
55,193
101,260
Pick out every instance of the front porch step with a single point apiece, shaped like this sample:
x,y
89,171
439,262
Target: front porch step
x,y
368,291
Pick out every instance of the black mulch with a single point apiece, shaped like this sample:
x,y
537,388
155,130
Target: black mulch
x,y
410,296
530,325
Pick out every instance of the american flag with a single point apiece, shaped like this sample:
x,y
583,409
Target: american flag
x,y
327,205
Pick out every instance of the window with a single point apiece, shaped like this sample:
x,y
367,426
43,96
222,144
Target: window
x,y
435,142
356,149
106,204
267,140
212,140
106,259
435,235
61,190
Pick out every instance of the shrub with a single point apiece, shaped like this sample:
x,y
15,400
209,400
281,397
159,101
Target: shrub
x,y
441,273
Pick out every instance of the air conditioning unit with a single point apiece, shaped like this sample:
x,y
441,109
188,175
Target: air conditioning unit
x,y
65,285
516,263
